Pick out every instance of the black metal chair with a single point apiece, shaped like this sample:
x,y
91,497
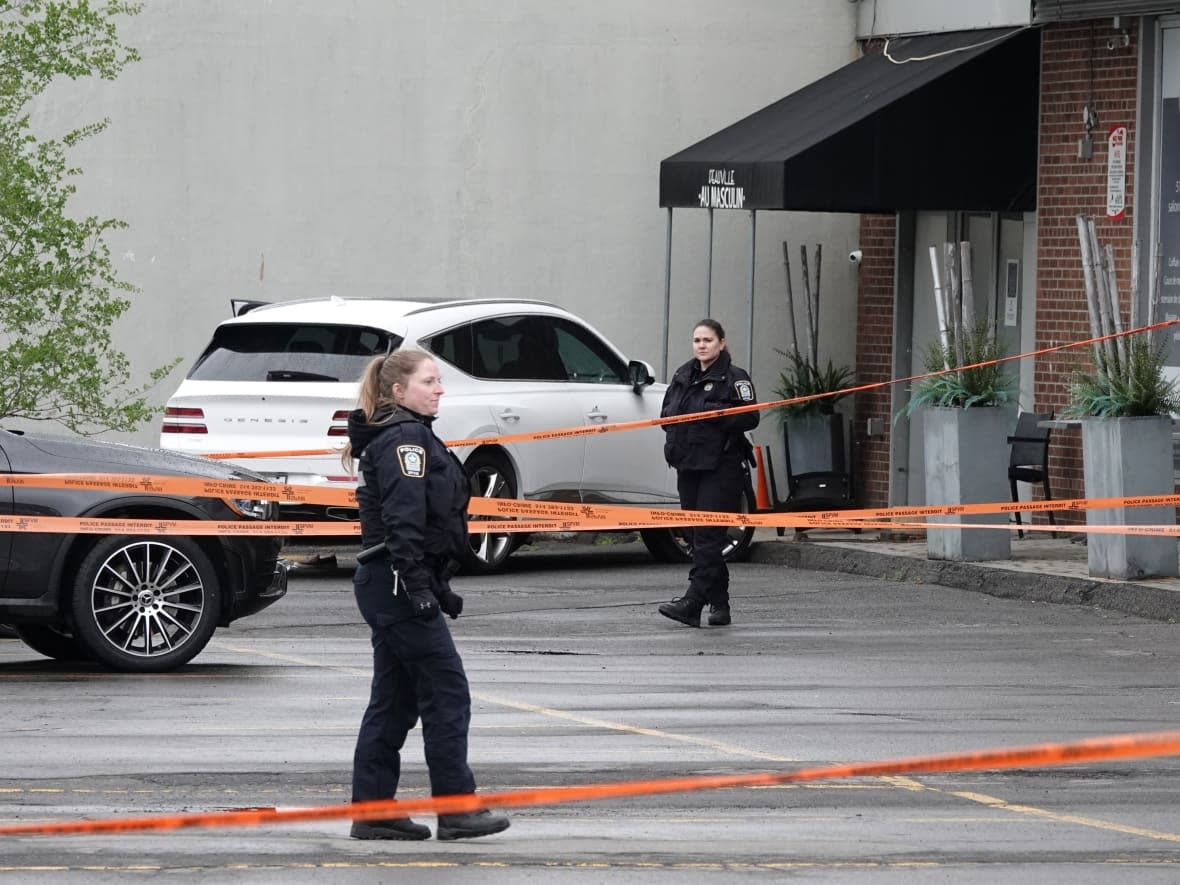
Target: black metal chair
x,y
1029,458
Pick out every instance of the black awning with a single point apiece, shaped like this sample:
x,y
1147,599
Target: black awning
x,y
953,126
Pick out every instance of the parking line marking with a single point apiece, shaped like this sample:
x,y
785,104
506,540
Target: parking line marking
x,y
1059,817
901,782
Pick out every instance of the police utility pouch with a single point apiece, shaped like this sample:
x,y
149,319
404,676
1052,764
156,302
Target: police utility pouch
x,y
422,602
370,553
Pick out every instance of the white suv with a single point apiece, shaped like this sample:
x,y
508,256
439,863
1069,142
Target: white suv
x,y
283,377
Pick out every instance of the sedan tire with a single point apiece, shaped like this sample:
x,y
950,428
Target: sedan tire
x,y
671,545
491,476
51,641
145,605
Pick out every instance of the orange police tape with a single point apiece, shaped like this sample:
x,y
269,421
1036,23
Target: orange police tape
x,y
534,516
1114,747
588,430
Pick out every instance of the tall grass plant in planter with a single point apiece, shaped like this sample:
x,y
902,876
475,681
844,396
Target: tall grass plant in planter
x,y
814,431
967,417
1126,404
968,412
815,438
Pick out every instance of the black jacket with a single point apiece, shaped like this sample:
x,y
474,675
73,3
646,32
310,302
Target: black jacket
x,y
412,495
700,445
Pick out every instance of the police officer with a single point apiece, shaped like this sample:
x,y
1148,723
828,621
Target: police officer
x,y
412,497
708,456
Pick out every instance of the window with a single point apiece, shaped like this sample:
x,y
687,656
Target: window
x,y
586,357
529,348
291,352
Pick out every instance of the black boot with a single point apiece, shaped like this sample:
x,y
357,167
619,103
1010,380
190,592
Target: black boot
x,y
401,829
685,609
468,826
719,616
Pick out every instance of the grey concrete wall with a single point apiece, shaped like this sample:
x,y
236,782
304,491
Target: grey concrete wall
x,y
279,149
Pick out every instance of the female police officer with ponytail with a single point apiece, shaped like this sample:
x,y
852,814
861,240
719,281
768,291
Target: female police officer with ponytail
x,y
708,456
412,496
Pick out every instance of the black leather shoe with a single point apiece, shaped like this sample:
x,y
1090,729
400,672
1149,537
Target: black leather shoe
x,y
399,828
469,826
719,616
684,609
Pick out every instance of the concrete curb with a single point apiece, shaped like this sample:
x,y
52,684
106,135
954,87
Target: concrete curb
x,y
1142,600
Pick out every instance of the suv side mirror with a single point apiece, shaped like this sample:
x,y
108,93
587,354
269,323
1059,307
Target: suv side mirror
x,y
639,374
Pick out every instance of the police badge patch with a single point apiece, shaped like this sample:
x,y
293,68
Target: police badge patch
x,y
744,390
412,460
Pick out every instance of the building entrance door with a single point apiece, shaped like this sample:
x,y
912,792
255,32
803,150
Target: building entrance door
x,y
998,274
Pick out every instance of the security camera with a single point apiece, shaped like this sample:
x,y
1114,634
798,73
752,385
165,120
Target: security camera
x,y
855,256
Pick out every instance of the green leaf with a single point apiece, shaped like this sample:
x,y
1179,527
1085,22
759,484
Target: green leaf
x,y
59,294
802,378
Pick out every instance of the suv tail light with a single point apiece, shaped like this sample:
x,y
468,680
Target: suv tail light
x,y
186,420
339,424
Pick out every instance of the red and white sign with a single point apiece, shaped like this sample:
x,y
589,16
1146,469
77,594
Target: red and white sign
x,y
1116,172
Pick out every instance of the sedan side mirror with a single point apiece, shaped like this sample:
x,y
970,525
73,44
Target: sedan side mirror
x,y
639,374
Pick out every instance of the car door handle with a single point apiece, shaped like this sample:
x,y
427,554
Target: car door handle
x,y
508,415
596,415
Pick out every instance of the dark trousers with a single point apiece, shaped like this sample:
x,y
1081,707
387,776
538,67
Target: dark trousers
x,y
718,490
417,672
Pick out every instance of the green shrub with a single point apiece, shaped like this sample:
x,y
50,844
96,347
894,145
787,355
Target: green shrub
x,y
990,385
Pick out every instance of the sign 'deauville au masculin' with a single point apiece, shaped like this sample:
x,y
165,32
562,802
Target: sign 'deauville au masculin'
x,y
720,191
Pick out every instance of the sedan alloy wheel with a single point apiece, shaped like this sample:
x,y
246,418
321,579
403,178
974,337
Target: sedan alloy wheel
x,y
145,605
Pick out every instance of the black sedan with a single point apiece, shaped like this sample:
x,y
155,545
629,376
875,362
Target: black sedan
x,y
137,603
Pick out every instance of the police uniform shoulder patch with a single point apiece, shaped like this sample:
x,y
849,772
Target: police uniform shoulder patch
x,y
412,460
744,391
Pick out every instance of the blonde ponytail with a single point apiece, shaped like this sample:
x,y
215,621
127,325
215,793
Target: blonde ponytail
x,y
376,387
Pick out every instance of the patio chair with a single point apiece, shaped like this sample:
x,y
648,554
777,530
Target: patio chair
x,y
1029,459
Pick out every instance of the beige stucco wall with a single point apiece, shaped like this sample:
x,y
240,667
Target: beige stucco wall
x,y
277,149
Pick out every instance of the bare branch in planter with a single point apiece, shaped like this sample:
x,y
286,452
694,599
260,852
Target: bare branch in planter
x,y
1102,292
815,300
1116,311
968,285
953,294
790,298
940,306
1091,283
811,355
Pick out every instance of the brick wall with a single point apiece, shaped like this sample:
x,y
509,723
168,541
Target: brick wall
x,y
1076,69
874,355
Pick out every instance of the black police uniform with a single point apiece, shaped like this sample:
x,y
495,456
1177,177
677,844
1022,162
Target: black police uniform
x,y
708,456
412,497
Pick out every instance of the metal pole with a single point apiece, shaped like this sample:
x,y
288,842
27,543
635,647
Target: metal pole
x,y
709,282
753,255
667,296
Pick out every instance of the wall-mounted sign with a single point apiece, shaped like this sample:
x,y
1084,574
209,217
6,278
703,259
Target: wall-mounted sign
x,y
1116,172
720,191
1011,292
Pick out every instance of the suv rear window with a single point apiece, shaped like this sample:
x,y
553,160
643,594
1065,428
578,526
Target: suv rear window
x,y
291,352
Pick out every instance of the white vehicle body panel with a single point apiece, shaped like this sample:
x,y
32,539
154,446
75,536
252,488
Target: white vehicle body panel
x,y
297,415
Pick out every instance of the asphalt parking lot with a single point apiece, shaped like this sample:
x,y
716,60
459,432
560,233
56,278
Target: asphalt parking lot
x,y
577,680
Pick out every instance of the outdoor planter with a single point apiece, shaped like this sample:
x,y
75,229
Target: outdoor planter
x,y
967,463
1125,457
